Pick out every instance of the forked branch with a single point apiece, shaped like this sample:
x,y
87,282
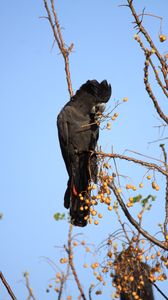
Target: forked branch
x,y
65,51
71,263
163,245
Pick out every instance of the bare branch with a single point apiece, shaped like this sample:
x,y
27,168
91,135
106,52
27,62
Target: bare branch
x,y
5,283
60,42
159,290
166,193
71,263
158,78
144,32
150,92
151,166
30,290
163,245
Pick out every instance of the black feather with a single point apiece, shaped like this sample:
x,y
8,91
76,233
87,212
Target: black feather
x,y
78,137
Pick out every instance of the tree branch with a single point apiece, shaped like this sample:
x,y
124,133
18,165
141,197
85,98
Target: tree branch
x,y
166,193
60,42
163,245
11,294
71,263
30,290
151,166
150,92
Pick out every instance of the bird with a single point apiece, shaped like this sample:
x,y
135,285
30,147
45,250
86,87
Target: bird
x,y
78,133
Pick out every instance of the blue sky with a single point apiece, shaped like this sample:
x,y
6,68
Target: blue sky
x,y
33,90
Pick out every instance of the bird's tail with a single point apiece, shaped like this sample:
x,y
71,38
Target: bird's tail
x,y
79,212
77,194
79,209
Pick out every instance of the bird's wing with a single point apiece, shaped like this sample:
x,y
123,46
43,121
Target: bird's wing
x,y
63,134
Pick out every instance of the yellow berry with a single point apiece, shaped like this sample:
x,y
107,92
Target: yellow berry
x,y
154,184
108,125
96,222
129,204
58,275
110,207
110,254
107,201
125,99
149,177
93,212
139,216
141,185
162,38
90,220
131,278
157,188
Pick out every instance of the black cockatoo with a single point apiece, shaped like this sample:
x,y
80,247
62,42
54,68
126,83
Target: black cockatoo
x,y
78,134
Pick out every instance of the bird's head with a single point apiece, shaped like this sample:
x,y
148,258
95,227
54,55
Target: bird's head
x,y
100,91
92,96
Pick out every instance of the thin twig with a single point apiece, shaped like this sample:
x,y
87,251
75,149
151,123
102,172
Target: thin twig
x,y
144,155
30,290
71,263
122,225
154,284
161,59
148,62
144,32
158,140
90,292
63,279
6,284
166,192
